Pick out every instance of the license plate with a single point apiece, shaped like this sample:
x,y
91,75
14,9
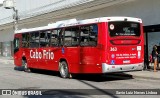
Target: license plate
x,y
126,61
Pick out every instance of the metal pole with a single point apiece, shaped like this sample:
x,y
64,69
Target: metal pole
x,y
15,17
10,4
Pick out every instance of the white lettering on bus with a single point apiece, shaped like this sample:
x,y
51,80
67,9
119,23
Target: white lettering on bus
x,y
113,48
39,55
31,53
44,54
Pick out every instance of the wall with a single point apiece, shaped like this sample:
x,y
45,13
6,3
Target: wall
x,y
25,5
148,10
6,35
153,39
6,38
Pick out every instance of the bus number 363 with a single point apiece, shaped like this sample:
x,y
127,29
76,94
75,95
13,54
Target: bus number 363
x,y
113,48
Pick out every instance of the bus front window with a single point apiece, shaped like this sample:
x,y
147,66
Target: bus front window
x,y
16,44
123,28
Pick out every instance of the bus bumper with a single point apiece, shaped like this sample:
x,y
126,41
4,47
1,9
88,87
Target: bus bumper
x,y
106,68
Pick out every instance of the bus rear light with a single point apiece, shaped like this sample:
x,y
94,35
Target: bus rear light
x,y
125,42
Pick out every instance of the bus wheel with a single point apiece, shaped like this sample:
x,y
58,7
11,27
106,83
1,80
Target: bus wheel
x,y
25,66
63,69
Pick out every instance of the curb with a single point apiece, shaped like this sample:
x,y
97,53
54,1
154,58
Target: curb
x,y
141,77
4,61
129,75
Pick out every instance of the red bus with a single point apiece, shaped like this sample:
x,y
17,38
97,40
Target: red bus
x,y
99,45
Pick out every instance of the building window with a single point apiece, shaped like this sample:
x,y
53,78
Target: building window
x,y
6,48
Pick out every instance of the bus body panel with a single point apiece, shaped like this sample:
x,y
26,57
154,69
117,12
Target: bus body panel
x,y
109,55
121,57
90,60
17,50
45,59
71,55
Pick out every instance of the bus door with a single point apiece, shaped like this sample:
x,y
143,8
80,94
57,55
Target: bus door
x,y
17,53
33,50
89,54
54,50
70,47
44,49
49,47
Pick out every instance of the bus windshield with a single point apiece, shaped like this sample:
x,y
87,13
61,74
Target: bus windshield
x,y
122,28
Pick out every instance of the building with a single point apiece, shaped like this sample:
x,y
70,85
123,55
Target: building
x,y
33,13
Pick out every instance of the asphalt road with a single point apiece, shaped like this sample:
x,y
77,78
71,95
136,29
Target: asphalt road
x,y
13,79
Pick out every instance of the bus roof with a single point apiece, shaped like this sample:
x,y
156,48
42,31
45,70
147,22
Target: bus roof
x,y
74,22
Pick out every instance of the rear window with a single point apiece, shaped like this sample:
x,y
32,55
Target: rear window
x,y
123,28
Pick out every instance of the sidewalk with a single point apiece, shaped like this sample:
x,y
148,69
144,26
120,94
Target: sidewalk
x,y
144,74
147,74
6,60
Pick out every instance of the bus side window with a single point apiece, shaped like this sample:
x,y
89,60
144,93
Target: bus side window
x,y
48,38
25,40
34,39
93,35
88,35
45,38
67,38
16,45
54,37
75,36
71,36
42,39
84,38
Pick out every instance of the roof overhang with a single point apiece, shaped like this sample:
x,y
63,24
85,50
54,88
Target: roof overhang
x,y
72,11
152,28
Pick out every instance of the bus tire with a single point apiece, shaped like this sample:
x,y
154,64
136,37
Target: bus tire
x,y
63,69
25,66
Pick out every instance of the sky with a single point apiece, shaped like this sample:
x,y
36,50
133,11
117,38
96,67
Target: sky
x,y
1,1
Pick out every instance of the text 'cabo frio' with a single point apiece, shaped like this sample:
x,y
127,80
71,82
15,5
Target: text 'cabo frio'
x,y
44,54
